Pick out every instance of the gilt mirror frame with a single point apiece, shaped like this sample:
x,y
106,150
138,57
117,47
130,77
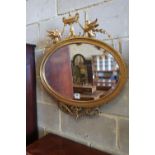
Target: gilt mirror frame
x,y
75,107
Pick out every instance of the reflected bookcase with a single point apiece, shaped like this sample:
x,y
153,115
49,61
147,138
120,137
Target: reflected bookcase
x,y
105,71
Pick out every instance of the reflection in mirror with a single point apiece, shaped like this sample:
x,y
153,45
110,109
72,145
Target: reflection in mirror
x,y
82,72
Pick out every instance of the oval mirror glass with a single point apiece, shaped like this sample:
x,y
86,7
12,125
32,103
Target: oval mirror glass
x,y
83,72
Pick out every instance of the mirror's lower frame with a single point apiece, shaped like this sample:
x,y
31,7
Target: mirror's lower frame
x,y
74,107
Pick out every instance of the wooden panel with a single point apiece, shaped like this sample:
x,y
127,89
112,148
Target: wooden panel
x,y
31,119
84,89
59,73
56,145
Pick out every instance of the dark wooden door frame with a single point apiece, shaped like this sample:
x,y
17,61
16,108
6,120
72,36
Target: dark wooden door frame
x,y
31,114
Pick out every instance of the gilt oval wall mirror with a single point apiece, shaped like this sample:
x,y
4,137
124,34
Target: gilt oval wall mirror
x,y
82,72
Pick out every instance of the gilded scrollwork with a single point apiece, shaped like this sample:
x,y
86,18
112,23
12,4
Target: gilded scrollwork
x,y
78,112
89,28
